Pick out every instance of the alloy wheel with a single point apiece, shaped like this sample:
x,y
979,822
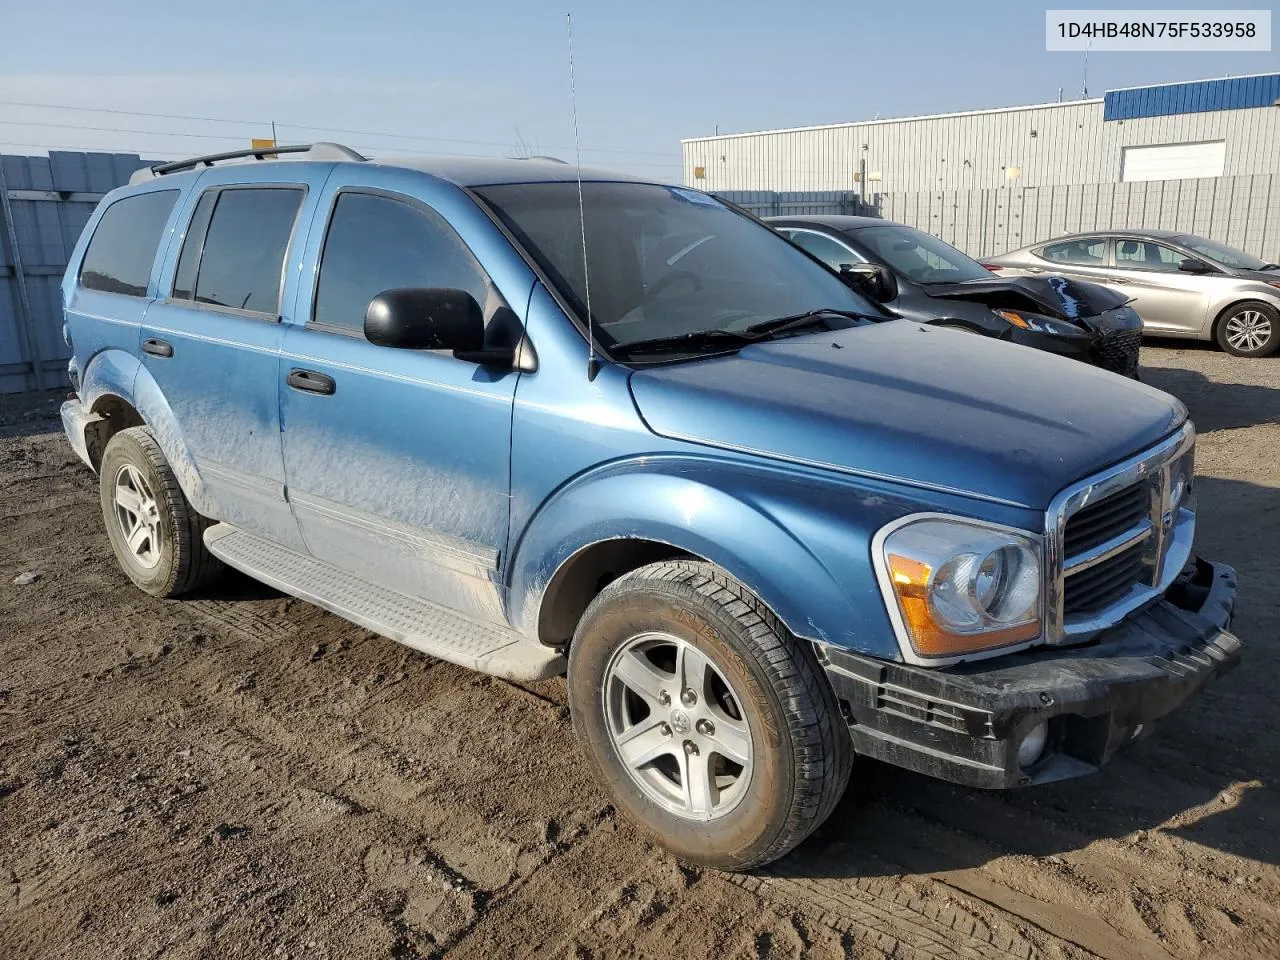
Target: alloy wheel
x,y
678,726
138,515
1248,330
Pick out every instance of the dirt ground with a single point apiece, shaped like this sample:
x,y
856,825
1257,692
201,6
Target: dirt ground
x,y
244,775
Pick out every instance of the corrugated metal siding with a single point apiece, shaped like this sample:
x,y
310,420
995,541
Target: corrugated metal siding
x,y
47,231
1233,93
1241,211
1252,138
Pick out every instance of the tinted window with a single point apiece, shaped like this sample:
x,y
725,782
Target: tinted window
x,y
123,247
1221,253
663,261
824,248
921,257
185,280
376,244
1145,255
244,248
1090,252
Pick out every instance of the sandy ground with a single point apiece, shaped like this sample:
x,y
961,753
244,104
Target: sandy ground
x,y
244,775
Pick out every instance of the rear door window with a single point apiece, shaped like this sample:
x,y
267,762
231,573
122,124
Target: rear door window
x,y
1088,252
238,261
123,247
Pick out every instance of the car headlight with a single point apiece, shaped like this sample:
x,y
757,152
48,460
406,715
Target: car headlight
x,y
960,586
1031,321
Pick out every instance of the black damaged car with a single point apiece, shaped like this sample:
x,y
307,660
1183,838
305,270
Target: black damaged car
x,y
920,277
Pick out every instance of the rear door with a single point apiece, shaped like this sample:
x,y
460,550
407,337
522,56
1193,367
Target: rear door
x,y
1167,299
212,340
1081,258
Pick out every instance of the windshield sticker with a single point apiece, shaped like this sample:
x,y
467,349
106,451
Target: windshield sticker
x,y
693,196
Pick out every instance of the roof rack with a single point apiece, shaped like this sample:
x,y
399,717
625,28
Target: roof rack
x,y
322,150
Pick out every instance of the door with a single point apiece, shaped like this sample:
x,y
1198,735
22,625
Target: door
x,y
398,461
1167,298
212,342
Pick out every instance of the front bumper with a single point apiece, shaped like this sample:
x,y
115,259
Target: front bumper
x,y
964,723
1113,342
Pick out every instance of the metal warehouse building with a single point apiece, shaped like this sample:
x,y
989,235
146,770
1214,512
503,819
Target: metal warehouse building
x,y
1211,128
1199,157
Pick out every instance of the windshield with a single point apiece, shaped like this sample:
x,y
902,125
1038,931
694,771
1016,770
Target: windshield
x,y
920,257
664,261
1221,253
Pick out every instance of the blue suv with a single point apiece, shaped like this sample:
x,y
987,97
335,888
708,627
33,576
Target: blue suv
x,y
535,422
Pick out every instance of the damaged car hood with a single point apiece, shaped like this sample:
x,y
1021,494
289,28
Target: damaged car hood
x,y
1058,297
913,404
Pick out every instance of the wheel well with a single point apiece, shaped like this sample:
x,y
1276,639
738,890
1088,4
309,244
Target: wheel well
x,y
117,414
585,574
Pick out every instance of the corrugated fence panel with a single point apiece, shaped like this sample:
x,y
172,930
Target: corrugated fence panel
x,y
50,199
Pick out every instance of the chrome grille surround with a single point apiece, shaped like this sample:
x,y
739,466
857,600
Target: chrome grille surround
x,y
1164,536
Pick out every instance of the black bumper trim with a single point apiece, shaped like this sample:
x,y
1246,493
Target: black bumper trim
x,y
964,723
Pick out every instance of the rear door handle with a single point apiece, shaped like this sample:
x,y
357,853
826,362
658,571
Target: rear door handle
x,y
310,381
157,348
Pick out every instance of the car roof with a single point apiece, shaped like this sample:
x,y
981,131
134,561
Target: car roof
x,y
835,221
486,171
1139,233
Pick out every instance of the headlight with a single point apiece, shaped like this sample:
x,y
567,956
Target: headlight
x,y
1030,321
960,586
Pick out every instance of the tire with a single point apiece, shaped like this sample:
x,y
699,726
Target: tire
x,y
168,558
1249,329
797,743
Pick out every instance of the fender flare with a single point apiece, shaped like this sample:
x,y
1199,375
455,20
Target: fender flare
x,y
115,372
727,517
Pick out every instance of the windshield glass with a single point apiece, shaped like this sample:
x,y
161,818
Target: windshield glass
x,y
664,261
920,257
1221,253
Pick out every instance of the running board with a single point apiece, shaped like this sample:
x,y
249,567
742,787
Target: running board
x,y
416,623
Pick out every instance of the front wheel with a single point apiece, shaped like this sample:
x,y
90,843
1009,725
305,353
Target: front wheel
x,y
712,726
1250,329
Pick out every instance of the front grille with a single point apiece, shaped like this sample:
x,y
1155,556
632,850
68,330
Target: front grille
x,y
1118,353
1109,517
1121,538
1103,584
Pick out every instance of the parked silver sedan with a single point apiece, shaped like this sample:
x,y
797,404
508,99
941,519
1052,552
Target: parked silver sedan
x,y
1181,285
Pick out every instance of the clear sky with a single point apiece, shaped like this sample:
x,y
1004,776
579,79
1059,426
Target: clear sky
x,y
491,76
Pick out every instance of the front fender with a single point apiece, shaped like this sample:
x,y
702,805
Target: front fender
x,y
120,374
800,542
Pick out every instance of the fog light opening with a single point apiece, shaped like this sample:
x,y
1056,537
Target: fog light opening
x,y
1032,746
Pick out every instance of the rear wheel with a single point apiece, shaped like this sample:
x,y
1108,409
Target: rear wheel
x,y
710,724
156,535
1250,329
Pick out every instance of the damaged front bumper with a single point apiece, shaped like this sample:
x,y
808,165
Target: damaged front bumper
x,y
966,723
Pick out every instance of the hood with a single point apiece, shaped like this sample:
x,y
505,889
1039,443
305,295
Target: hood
x,y
1058,297
1263,276
914,404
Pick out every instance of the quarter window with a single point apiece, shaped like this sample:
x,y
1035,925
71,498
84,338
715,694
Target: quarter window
x,y
123,247
1144,255
1086,252
376,243
238,260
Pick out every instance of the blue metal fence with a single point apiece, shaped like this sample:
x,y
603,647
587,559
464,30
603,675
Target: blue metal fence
x,y
44,204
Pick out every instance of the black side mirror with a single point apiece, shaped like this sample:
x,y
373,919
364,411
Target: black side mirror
x,y
425,318
1193,266
873,280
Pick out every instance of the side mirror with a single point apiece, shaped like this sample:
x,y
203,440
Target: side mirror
x,y
1194,266
425,318
873,280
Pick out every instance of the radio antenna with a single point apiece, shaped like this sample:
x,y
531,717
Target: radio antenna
x,y
592,367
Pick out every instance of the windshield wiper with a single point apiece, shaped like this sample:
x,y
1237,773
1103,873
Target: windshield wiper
x,y
799,321
733,339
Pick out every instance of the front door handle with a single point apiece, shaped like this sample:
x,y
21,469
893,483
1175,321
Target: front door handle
x,y
310,381
157,348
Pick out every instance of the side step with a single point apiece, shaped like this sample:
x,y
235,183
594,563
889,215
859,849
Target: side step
x,y
408,620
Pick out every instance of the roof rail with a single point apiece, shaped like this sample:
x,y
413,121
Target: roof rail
x,y
323,150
